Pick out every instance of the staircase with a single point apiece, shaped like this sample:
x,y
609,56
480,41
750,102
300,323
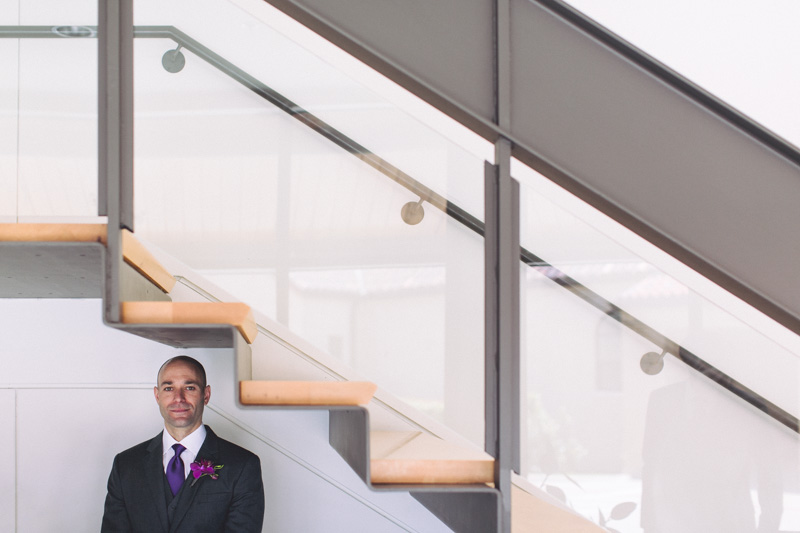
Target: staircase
x,y
452,480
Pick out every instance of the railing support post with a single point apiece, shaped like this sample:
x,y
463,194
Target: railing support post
x,y
115,137
502,267
502,325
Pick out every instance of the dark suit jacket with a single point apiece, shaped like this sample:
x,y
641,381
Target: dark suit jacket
x,y
137,497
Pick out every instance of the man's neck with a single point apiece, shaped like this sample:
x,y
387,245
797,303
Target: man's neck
x,y
181,433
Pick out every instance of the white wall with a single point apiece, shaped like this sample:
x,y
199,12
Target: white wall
x,y
74,392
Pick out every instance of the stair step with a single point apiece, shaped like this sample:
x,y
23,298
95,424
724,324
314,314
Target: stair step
x,y
53,233
133,252
530,514
236,314
414,457
140,258
306,392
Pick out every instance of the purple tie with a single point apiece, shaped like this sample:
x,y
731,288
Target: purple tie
x,y
175,469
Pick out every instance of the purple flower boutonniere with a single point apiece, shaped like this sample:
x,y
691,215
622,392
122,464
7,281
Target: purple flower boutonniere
x,y
204,467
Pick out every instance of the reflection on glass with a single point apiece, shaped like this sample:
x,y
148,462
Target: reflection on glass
x,y
708,463
664,453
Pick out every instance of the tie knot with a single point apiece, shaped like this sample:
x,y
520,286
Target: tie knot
x,y
178,449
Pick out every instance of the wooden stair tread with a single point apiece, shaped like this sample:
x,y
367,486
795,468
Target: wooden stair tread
x,y
306,392
235,314
530,514
53,233
414,457
140,258
133,252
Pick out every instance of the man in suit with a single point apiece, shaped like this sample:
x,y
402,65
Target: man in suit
x,y
154,488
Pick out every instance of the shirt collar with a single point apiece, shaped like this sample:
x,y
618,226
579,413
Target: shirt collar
x,y
193,441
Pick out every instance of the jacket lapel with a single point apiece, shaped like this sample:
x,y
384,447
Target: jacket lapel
x,y
209,450
154,474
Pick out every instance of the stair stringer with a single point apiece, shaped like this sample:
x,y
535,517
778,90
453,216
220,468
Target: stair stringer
x,y
464,508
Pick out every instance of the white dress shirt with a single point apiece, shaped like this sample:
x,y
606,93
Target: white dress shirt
x,y
193,442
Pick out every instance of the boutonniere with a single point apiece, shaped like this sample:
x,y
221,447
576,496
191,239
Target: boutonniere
x,y
204,467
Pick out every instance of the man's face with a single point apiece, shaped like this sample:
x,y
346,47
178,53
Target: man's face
x,y
181,398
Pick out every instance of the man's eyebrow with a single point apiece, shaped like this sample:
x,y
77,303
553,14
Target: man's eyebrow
x,y
188,382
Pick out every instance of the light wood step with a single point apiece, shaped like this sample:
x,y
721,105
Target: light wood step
x,y
140,258
133,252
306,392
235,314
53,233
530,514
414,457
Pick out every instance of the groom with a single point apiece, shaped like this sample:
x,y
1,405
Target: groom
x,y
148,489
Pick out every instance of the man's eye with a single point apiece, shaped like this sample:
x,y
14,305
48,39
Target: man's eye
x,y
167,388
190,387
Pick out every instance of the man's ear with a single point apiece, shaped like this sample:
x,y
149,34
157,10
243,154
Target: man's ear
x,y
155,392
206,394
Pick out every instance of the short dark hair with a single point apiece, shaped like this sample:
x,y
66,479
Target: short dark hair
x,y
192,362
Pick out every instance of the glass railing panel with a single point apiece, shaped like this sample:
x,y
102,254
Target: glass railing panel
x,y
738,51
57,164
338,89
657,290
48,104
309,234
633,452
9,86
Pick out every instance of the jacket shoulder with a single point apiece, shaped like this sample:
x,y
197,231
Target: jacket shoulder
x,y
234,451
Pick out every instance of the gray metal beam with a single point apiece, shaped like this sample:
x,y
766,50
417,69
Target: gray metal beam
x,y
502,64
605,121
